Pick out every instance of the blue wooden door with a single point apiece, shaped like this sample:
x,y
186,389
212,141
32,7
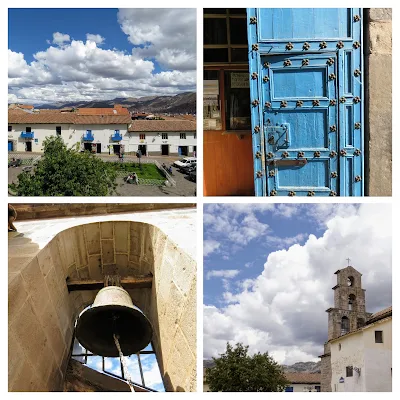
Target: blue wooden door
x,y
10,146
306,101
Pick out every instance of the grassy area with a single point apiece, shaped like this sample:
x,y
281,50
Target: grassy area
x,y
144,171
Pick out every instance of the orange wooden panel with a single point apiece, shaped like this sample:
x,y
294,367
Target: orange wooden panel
x,y
228,164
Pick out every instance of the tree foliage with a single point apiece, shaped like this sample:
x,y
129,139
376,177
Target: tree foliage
x,y
66,172
236,371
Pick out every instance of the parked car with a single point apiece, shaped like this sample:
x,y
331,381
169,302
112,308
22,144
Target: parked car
x,y
188,168
185,162
192,175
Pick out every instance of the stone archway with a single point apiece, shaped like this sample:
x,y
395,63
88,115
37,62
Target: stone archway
x,y
42,311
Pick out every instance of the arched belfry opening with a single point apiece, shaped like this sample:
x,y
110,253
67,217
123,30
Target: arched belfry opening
x,y
350,281
352,302
345,326
98,296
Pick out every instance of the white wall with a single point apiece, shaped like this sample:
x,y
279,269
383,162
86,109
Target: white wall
x,y
102,134
378,358
41,131
73,134
154,140
360,350
304,387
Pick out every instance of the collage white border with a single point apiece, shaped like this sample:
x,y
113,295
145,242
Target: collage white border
x,y
200,200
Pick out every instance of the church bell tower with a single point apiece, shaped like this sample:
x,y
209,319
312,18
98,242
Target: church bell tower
x,y
348,314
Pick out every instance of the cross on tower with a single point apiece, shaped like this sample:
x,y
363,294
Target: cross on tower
x,y
348,262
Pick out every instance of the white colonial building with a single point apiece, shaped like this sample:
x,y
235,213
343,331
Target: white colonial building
x,y
303,382
361,360
100,130
168,137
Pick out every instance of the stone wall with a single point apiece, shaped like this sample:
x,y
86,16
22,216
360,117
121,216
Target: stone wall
x,y
39,211
42,312
378,101
326,373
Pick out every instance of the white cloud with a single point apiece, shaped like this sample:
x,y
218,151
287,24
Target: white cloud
x,y
282,242
168,35
60,38
72,70
235,223
294,289
210,246
98,39
222,273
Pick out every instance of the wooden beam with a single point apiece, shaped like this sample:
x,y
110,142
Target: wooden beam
x,y
137,282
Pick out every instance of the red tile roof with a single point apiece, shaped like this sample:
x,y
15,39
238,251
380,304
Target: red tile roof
x,y
102,119
58,117
26,106
47,117
303,377
103,111
386,312
162,126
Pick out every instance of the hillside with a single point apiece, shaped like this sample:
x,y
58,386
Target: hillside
x,y
179,104
310,366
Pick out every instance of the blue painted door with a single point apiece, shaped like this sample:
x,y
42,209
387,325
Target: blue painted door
x,y
306,101
10,146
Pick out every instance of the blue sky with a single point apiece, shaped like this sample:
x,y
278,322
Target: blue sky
x,y
86,54
269,272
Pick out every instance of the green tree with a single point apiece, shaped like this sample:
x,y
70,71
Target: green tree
x,y
66,172
236,371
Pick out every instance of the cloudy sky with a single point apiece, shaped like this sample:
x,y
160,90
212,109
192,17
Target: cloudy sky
x,y
86,54
269,272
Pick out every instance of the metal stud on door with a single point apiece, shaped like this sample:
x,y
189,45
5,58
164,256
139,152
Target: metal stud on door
x,y
309,101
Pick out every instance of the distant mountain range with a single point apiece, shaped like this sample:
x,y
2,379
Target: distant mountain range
x,y
310,366
179,104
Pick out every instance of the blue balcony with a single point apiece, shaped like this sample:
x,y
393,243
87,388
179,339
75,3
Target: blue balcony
x,y
117,137
27,135
88,137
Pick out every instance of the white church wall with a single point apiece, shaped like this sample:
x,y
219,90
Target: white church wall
x,y
345,352
378,358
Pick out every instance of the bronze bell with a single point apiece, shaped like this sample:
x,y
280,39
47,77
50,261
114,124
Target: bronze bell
x,y
112,313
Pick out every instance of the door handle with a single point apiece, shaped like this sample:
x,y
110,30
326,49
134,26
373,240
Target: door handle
x,y
288,163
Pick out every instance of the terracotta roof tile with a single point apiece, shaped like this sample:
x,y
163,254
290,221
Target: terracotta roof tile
x,y
103,111
162,126
39,118
303,377
386,312
102,119
26,106
57,117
